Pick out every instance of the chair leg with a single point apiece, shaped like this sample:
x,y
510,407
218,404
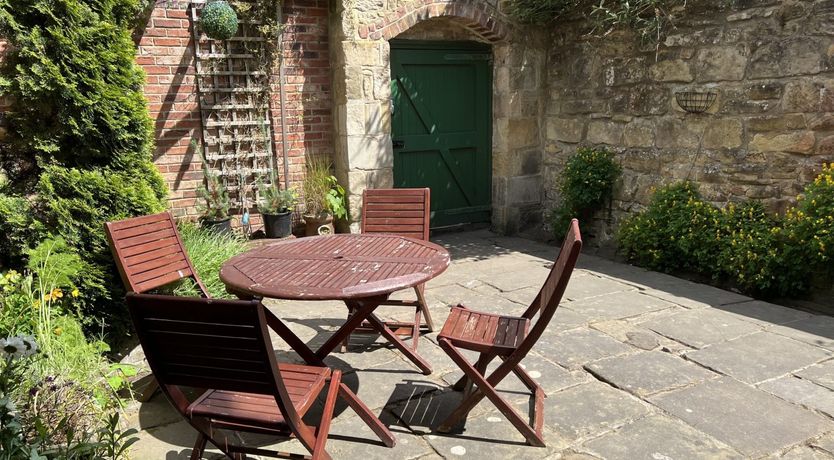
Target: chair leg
x,y
319,453
487,389
415,329
424,306
199,447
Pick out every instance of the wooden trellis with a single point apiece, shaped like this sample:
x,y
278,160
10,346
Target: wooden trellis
x,y
233,93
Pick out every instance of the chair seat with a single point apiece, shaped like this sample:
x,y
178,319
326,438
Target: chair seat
x,y
484,331
303,385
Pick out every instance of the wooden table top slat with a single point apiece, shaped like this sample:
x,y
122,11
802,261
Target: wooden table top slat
x,y
334,267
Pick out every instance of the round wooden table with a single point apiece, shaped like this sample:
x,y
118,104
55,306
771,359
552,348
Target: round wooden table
x,y
334,267
361,270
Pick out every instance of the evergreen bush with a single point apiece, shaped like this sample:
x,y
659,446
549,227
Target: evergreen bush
x,y
219,20
80,138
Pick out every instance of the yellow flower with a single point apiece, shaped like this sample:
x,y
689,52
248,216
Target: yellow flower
x,y
36,303
58,331
75,292
57,294
47,297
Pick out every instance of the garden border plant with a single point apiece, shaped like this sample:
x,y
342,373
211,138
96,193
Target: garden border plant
x,y
760,253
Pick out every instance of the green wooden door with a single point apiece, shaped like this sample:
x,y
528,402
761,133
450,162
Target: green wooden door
x,y
442,122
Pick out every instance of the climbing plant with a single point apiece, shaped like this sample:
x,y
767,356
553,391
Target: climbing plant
x,y
78,152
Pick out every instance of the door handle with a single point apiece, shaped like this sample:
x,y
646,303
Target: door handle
x,y
398,144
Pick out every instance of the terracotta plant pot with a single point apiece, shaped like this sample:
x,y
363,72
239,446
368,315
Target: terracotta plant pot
x,y
218,225
321,224
278,225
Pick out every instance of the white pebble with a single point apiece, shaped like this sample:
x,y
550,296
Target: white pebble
x,y
458,450
493,419
535,374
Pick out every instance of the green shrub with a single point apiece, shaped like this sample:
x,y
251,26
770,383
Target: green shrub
x,y
676,231
585,185
79,136
811,223
207,250
219,20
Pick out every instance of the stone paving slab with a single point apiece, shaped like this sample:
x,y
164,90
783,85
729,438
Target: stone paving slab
x,y
817,330
647,373
805,453
699,328
618,313
749,420
574,348
764,313
802,392
821,374
591,409
758,357
659,437
618,305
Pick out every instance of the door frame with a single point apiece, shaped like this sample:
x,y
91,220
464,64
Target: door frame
x,y
461,45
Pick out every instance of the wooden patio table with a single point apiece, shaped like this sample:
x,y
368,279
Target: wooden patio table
x,y
358,269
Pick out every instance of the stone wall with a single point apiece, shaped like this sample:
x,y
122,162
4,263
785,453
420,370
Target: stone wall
x,y
360,30
166,52
771,127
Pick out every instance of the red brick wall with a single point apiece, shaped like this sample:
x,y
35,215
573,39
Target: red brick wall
x,y
166,52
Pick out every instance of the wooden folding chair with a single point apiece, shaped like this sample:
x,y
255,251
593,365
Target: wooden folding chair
x,y
149,253
510,339
223,346
404,212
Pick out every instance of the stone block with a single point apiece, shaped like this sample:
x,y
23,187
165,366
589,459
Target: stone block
x,y
723,134
618,305
720,64
647,373
702,327
639,133
802,96
625,71
785,122
645,100
765,91
369,152
524,189
803,393
796,56
826,146
758,357
565,129
660,437
605,132
522,132
817,330
678,133
361,53
377,118
821,374
575,348
674,70
750,420
795,142
764,313
585,410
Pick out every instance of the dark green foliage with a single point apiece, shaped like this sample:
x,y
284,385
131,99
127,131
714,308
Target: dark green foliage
x,y
673,232
585,185
762,254
80,137
219,20
18,229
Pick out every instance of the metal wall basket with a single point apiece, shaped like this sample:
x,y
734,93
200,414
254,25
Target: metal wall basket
x,y
695,101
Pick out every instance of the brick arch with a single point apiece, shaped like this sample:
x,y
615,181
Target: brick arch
x,y
475,16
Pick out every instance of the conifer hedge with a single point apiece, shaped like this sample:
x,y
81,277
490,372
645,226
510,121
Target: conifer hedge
x,y
78,152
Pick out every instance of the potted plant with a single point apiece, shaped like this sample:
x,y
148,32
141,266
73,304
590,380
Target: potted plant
x,y
276,208
216,203
324,198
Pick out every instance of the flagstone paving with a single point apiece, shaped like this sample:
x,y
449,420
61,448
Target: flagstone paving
x,y
636,365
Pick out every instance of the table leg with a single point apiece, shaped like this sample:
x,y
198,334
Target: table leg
x,y
418,361
361,311
345,392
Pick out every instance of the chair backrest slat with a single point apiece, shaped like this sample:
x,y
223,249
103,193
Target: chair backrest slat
x,y
548,298
149,252
401,211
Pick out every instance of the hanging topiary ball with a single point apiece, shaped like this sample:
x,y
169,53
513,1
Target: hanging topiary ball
x,y
219,20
